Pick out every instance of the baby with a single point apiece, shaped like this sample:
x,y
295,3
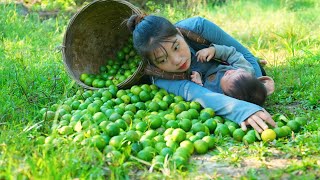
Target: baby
x,y
234,77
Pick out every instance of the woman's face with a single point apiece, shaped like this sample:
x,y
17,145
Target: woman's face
x,y
230,76
175,55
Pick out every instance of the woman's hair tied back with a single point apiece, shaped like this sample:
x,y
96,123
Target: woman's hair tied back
x,y
134,20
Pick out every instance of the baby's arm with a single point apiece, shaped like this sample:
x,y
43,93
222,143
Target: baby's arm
x,y
215,34
233,57
196,78
204,55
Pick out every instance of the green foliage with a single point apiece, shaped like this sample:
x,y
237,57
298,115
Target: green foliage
x,y
30,64
32,76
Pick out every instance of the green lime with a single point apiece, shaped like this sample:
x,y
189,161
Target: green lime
x,y
201,134
301,120
222,130
170,116
145,155
153,106
163,105
142,126
172,144
159,137
195,105
209,111
184,115
204,116
178,135
201,146
188,145
178,161
115,116
122,124
167,98
65,130
198,127
185,124
136,89
178,108
98,141
120,55
210,141
280,123
194,138
249,139
99,117
159,146
182,151
231,128
280,132
166,151
218,119
294,126
146,142
116,141
155,121
168,131
178,99
112,129
238,134
172,124
287,129
83,76
144,96
211,124
194,113
140,105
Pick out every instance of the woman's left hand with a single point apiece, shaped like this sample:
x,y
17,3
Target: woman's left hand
x,y
258,121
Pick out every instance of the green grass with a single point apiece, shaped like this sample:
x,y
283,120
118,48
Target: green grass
x,y
32,76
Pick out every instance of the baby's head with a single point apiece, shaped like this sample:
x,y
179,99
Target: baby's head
x,y
242,85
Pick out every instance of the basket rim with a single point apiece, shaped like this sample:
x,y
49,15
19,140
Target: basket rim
x,y
139,70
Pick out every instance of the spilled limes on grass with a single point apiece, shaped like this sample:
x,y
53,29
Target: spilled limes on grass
x,y
149,124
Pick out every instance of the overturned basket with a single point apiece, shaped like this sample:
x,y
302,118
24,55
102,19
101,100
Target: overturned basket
x,y
94,34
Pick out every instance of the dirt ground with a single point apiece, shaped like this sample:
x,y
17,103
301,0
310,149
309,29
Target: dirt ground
x,y
210,167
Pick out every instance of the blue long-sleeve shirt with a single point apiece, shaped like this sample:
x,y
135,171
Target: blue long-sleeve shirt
x,y
227,107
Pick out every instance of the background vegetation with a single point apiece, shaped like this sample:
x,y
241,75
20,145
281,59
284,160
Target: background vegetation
x,y
32,76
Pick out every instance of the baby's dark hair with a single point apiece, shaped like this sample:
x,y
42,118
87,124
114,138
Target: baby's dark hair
x,y
248,88
148,32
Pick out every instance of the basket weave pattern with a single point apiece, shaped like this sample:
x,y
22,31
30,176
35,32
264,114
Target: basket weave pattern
x,y
93,35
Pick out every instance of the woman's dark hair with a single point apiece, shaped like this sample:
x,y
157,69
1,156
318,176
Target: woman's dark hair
x,y
248,88
148,32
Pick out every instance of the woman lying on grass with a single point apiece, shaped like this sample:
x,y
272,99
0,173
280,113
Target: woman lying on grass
x,y
159,42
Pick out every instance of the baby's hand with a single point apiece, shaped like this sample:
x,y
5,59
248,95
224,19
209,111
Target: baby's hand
x,y
196,78
204,55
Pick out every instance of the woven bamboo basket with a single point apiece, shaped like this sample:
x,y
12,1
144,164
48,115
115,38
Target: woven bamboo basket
x,y
95,33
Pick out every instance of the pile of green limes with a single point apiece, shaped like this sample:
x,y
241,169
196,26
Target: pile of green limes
x,y
144,122
116,70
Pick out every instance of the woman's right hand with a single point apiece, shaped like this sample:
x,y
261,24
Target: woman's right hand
x,y
258,121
